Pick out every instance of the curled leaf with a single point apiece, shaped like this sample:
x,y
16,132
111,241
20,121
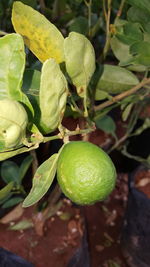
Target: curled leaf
x,y
80,61
52,96
40,35
12,68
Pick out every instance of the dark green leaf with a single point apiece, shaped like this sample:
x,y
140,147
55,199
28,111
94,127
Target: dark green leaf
x,y
24,167
42,180
142,4
12,202
9,171
31,82
31,87
141,53
79,24
138,15
106,124
131,33
4,192
3,200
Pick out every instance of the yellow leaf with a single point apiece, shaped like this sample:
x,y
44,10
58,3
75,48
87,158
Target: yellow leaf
x,y
40,35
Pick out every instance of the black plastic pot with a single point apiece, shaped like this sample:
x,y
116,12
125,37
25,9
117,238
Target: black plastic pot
x,y
135,239
9,259
81,256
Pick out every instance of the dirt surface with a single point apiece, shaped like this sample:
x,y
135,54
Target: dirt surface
x,y
64,230
61,238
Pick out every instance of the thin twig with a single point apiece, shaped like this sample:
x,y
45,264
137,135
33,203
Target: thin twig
x,y
121,8
89,6
122,95
42,5
68,133
121,140
104,10
108,35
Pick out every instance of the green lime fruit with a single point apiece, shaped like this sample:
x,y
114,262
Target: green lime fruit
x,y
85,173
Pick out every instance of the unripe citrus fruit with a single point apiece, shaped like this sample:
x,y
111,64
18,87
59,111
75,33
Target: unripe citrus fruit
x,y
13,123
85,172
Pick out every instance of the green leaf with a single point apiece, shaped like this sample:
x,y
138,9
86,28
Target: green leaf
x,y
120,49
119,23
115,79
9,171
143,5
12,202
79,24
53,96
106,124
12,153
31,82
126,111
135,14
12,68
42,180
24,167
137,67
4,192
101,95
31,87
40,35
141,53
132,32
22,225
80,61
3,200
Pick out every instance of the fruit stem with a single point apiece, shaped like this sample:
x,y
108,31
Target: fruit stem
x,y
68,133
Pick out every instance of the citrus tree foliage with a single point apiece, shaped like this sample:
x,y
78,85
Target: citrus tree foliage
x,y
33,102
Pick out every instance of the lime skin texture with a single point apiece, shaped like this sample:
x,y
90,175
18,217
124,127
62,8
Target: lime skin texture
x,y
85,173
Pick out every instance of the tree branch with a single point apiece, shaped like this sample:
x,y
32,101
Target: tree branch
x,y
122,95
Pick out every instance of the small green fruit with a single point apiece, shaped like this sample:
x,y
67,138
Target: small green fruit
x,y
85,173
13,123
